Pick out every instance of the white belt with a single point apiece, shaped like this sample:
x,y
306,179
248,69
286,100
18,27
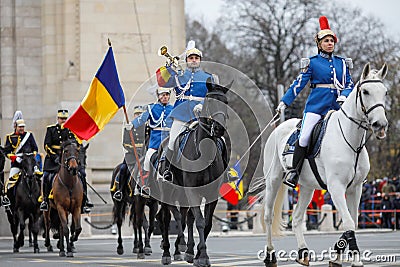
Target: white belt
x,y
162,128
325,85
190,97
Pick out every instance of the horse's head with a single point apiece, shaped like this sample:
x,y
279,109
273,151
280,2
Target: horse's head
x,y
70,155
27,164
371,93
215,111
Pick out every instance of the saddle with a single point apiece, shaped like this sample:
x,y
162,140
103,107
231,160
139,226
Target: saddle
x,y
317,135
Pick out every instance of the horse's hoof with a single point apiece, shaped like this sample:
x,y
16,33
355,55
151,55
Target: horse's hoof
x,y
182,248
70,254
178,257
61,254
271,264
15,250
49,249
148,251
304,262
166,260
36,250
335,264
203,262
120,251
140,256
135,250
189,258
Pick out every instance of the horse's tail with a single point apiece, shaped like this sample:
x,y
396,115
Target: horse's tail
x,y
278,224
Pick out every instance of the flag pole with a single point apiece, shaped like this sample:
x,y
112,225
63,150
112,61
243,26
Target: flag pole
x,y
134,147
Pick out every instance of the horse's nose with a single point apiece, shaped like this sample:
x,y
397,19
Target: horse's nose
x,y
379,127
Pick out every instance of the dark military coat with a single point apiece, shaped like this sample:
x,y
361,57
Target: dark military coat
x,y
55,136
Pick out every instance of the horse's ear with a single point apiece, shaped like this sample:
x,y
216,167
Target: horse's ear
x,y
209,84
365,72
383,71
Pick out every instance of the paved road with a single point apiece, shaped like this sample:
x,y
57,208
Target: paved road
x,y
229,250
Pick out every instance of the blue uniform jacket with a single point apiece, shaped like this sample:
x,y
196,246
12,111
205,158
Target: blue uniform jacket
x,y
189,84
156,114
322,69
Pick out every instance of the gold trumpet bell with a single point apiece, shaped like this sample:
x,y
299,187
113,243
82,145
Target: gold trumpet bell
x,y
162,51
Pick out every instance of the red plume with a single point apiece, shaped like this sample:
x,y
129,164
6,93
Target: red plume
x,y
323,23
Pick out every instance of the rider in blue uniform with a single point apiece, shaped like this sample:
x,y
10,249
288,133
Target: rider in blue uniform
x,y
190,89
155,115
331,83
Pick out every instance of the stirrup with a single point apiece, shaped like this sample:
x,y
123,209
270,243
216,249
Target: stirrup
x,y
289,180
145,191
167,176
44,206
6,201
117,195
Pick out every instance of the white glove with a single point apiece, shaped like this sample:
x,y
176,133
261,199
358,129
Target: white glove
x,y
18,159
128,126
341,99
197,110
281,107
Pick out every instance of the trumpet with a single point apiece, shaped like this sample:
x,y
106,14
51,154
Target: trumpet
x,y
172,61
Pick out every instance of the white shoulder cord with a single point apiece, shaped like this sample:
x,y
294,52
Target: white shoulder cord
x,y
183,89
158,122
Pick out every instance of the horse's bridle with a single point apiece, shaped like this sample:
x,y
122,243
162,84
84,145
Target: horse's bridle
x,y
210,117
363,107
68,159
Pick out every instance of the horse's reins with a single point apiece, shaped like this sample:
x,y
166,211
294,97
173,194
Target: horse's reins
x,y
359,123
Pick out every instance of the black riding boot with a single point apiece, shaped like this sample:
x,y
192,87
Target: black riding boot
x,y
121,177
44,206
292,176
165,164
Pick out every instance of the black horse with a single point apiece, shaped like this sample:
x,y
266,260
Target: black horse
x,y
24,203
137,204
196,168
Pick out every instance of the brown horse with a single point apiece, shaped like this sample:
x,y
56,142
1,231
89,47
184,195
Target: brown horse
x,y
67,199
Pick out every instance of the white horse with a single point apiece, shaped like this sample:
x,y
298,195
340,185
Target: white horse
x,y
342,163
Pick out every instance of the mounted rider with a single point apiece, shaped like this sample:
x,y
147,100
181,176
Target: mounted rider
x,y
190,89
331,83
18,142
56,134
123,176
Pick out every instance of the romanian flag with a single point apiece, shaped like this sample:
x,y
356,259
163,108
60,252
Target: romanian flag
x,y
163,75
233,191
102,101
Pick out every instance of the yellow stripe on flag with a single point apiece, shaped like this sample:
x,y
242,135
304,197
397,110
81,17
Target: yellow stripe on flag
x,y
99,104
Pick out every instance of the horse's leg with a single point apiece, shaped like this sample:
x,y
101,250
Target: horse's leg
x,y
64,232
273,173
30,232
166,218
180,244
34,229
153,206
203,259
305,196
348,237
118,219
189,254
139,212
353,201
135,230
46,218
76,227
21,222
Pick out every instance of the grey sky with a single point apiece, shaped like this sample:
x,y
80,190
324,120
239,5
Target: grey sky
x,y
207,11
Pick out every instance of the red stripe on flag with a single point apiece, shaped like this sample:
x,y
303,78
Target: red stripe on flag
x,y
160,80
81,124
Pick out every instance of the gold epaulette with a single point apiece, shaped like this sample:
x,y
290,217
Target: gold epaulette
x,y
51,125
